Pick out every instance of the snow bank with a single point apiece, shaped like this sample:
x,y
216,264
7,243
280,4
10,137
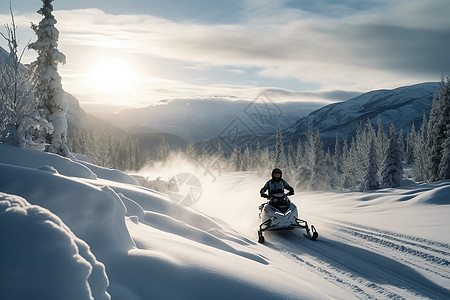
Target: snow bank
x,y
41,258
438,195
36,159
95,214
65,166
109,174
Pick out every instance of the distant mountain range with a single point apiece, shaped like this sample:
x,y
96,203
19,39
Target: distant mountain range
x,y
201,119
401,106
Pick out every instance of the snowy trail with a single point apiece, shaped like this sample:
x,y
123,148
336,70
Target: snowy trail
x,y
364,261
375,264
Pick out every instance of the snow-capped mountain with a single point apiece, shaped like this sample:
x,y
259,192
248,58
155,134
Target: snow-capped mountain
x,y
200,119
401,106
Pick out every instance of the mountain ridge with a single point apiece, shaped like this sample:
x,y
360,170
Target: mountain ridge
x,y
401,106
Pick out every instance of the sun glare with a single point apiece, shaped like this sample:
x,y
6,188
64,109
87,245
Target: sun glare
x,y
112,75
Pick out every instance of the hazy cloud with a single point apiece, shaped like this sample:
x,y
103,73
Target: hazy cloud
x,y
324,45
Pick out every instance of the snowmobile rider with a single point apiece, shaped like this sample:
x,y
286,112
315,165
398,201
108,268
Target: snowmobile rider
x,y
276,186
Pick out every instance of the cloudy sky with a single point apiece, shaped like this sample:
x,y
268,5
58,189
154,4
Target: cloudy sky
x,y
132,53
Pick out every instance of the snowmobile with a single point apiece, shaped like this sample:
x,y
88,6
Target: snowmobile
x,y
279,213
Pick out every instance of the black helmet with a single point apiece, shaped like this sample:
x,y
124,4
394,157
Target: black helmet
x,y
277,171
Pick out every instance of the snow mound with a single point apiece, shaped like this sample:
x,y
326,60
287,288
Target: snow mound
x,y
95,214
109,174
438,195
36,159
41,253
70,167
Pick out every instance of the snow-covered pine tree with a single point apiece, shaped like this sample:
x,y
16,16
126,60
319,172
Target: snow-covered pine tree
x,y
364,136
420,151
164,150
246,159
320,178
444,165
437,129
299,159
47,81
382,141
256,157
219,152
291,157
411,140
19,119
371,181
337,158
265,162
401,143
191,153
280,155
392,170
235,160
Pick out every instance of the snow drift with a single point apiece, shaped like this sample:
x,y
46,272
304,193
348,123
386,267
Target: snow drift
x,y
42,259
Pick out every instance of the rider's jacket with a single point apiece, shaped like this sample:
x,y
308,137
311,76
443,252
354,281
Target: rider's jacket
x,y
276,187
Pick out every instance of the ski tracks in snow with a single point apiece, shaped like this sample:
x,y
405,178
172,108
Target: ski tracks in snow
x,y
372,263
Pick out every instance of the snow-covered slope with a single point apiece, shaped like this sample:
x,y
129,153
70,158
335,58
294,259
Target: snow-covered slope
x,y
401,106
77,118
205,118
392,243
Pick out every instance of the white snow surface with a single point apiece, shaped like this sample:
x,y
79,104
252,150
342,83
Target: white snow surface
x,y
67,235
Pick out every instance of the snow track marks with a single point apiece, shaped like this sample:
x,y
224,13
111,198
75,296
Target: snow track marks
x,y
373,263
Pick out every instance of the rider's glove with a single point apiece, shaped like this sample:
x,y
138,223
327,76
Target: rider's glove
x,y
291,192
264,195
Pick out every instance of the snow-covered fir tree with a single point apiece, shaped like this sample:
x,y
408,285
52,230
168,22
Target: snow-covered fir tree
x,y
392,170
382,141
401,143
338,161
291,157
256,157
235,159
444,167
20,122
320,178
280,155
371,181
444,97
219,150
420,152
265,163
246,159
191,153
163,151
437,131
411,140
299,159
47,81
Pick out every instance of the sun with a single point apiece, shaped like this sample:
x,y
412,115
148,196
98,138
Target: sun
x,y
112,75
